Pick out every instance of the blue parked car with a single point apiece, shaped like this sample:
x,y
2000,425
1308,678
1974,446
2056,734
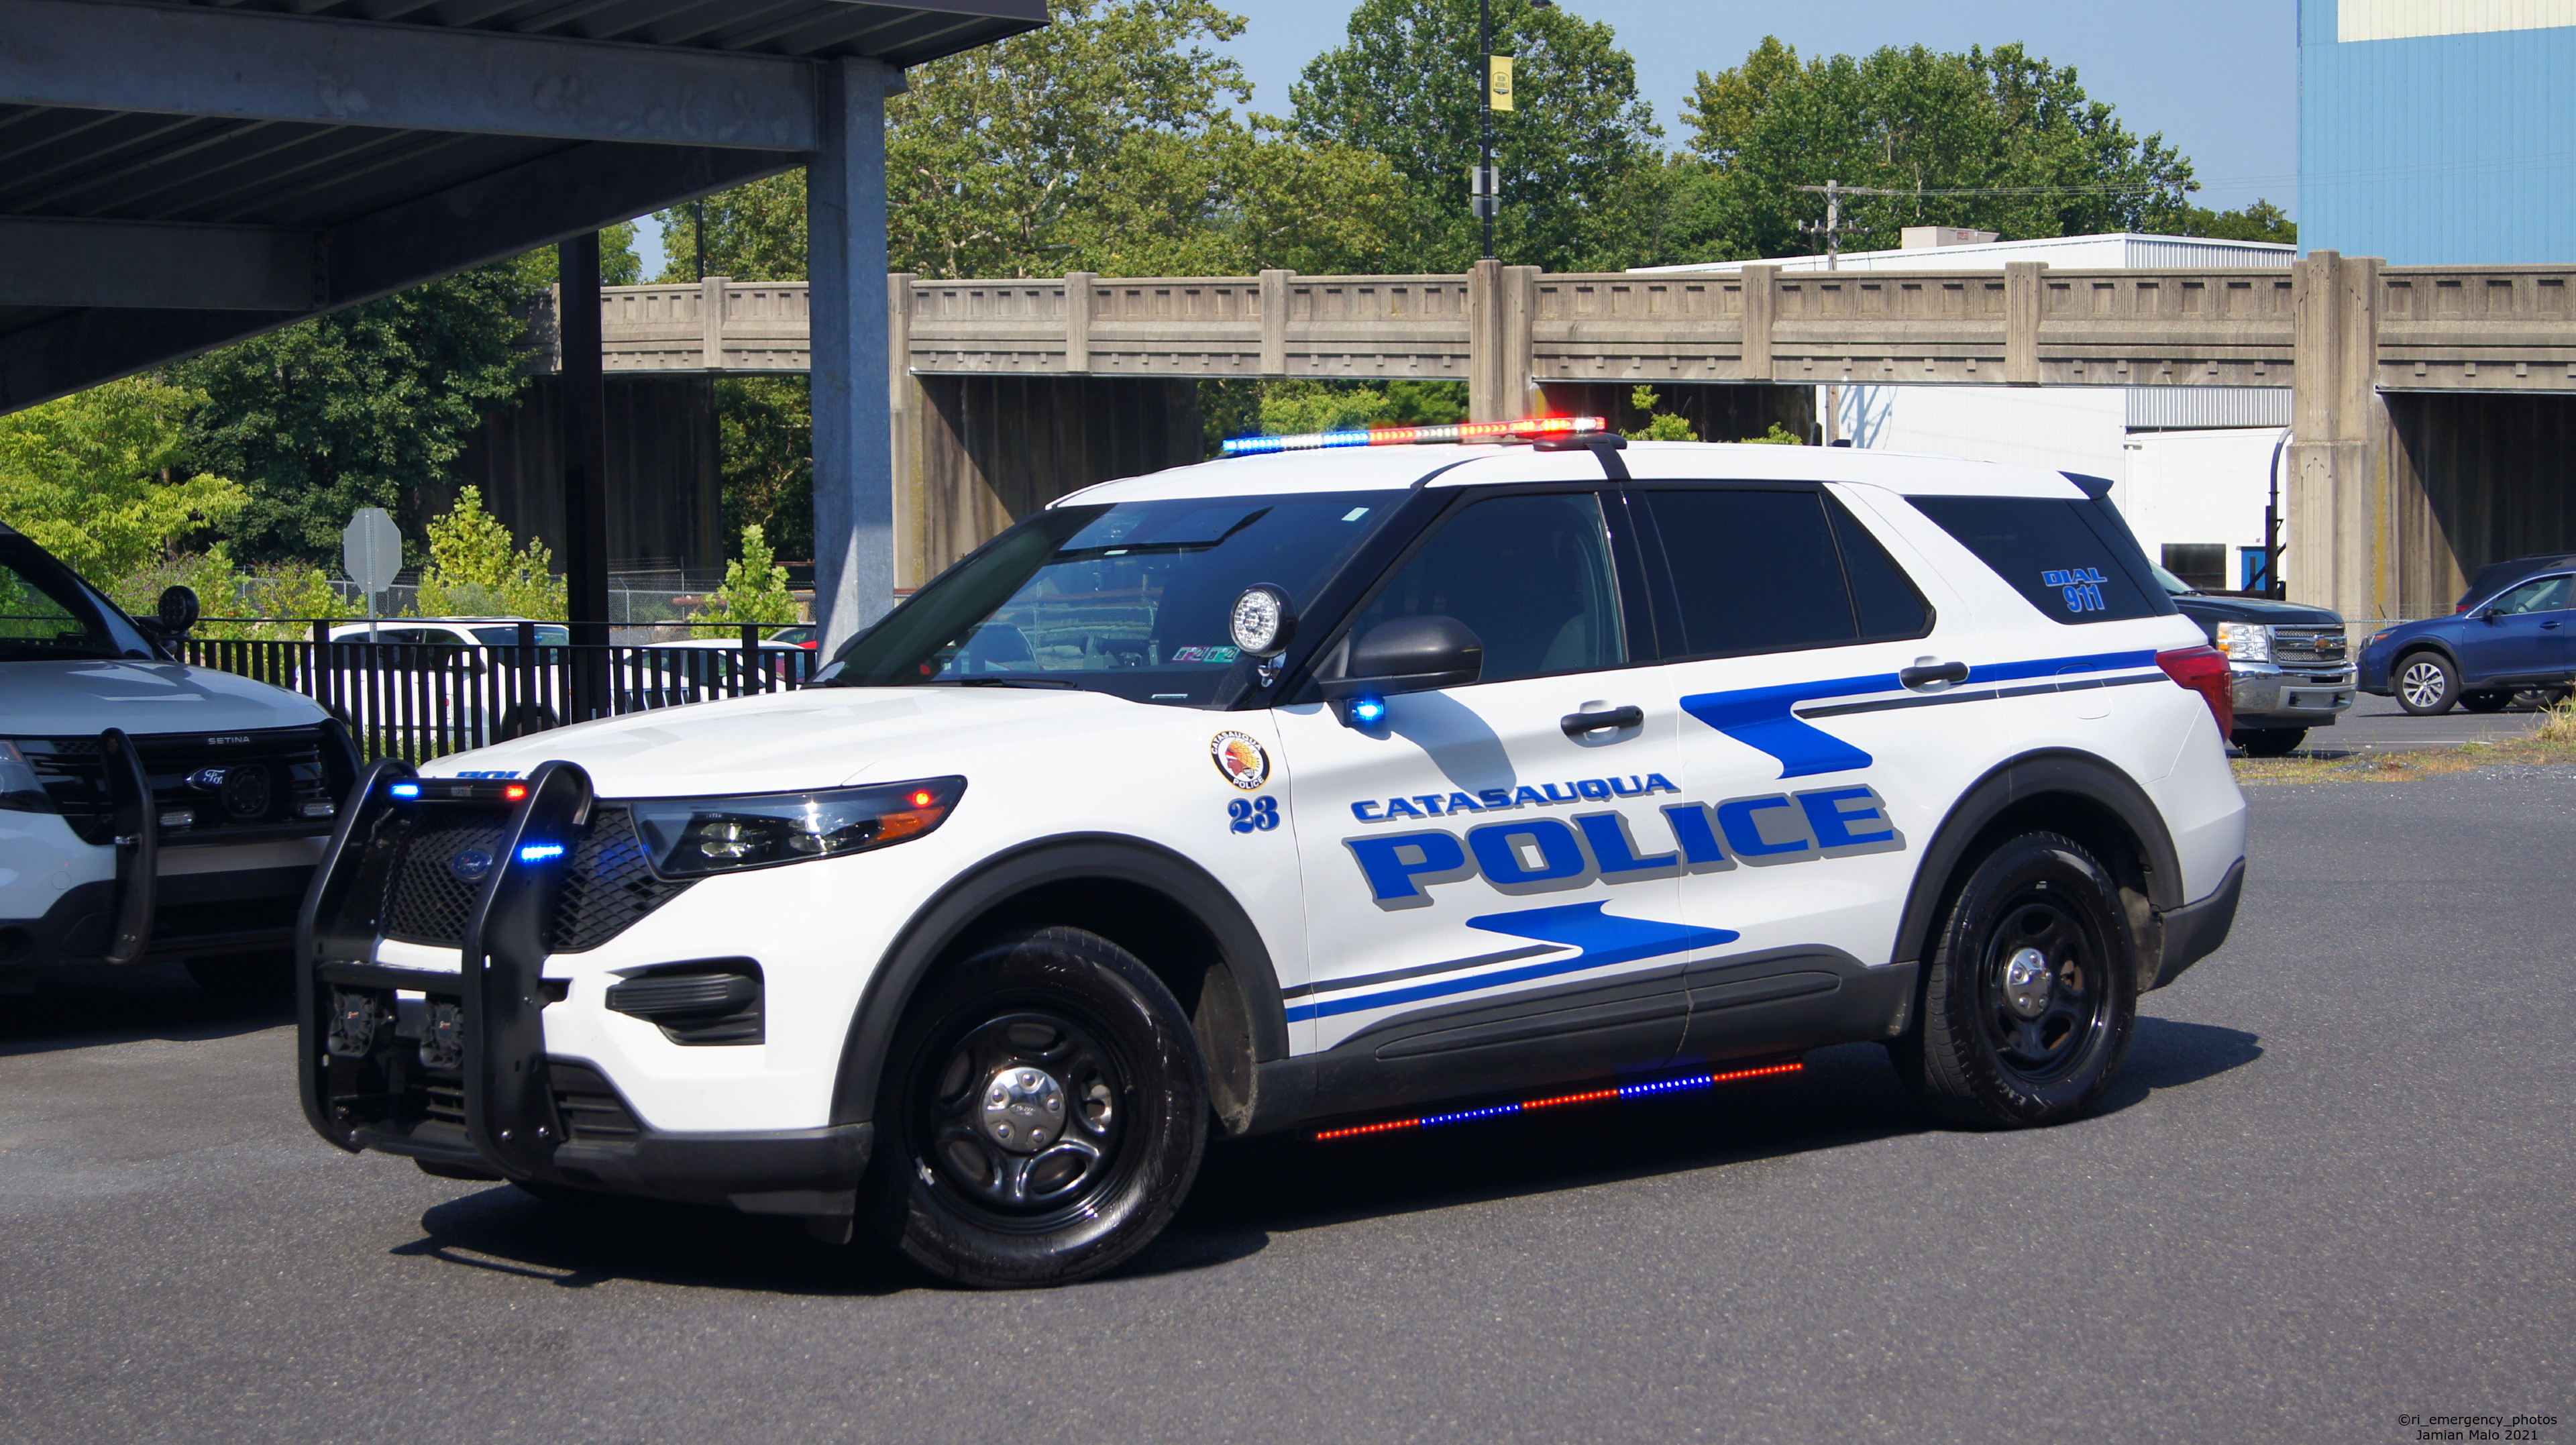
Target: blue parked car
x,y
2515,631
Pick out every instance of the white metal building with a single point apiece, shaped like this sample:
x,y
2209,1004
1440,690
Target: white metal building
x,y
2190,466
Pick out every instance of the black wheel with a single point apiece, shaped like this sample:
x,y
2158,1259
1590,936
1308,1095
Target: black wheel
x,y
2271,742
245,975
1042,1117
2490,701
2031,994
2426,683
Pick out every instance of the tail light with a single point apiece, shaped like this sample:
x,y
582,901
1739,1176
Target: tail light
x,y
2204,670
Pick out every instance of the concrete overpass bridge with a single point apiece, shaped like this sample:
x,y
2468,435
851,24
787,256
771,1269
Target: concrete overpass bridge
x,y
2434,408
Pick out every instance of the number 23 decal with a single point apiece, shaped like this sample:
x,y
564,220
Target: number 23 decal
x,y
1252,815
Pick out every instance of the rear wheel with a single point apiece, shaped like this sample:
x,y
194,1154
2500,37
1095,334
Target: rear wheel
x,y
2271,742
2031,994
245,975
2489,701
2427,683
1043,1115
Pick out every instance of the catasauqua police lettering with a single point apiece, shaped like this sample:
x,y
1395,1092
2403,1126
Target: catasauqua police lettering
x,y
1536,855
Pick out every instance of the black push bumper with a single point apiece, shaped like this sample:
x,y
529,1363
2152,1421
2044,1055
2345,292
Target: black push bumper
x,y
2197,930
476,1092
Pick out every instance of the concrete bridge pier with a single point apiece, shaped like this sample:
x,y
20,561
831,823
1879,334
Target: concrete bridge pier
x,y
2341,488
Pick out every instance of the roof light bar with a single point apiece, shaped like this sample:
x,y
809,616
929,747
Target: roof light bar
x,y
1399,436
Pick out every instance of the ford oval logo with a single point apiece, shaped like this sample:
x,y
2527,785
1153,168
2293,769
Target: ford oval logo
x,y
470,865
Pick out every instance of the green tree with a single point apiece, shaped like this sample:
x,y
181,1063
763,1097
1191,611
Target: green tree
x,y
765,439
1661,426
474,572
2034,155
279,603
2261,221
754,591
101,478
360,408
1408,85
1101,143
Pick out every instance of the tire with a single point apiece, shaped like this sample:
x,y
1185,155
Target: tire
x,y
1100,1137
2489,701
245,975
2001,1048
2426,684
2271,742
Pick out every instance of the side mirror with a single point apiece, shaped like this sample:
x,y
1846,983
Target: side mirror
x,y
1410,654
2489,615
178,610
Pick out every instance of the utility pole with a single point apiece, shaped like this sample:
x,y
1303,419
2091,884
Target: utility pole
x,y
1486,192
1832,231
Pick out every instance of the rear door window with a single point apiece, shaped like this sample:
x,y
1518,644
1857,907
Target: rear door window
x,y
1774,570
2068,558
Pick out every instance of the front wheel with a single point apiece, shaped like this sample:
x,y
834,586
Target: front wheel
x,y
1042,1117
2031,994
2271,742
2427,684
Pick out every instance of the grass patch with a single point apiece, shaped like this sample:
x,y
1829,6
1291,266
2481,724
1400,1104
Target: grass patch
x,y
2552,740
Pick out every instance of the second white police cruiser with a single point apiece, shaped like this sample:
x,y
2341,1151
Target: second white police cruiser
x,y
1351,790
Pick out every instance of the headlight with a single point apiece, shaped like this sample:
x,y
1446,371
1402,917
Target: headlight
x,y
2245,641
692,837
2376,636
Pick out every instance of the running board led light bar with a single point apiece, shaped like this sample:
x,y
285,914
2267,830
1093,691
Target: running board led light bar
x,y
1555,1101
1402,436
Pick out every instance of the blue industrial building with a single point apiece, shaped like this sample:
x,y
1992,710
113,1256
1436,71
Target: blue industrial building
x,y
2438,132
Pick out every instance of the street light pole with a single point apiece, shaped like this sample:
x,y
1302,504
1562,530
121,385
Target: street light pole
x,y
1487,199
1487,192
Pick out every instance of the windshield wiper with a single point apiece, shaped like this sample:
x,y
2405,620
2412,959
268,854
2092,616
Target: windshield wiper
x,y
1012,682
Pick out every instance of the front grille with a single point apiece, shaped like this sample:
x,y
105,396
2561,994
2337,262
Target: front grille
x,y
607,886
288,764
430,899
2308,645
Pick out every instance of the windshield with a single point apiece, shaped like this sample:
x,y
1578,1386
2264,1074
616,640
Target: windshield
x,y
549,634
1132,599
2173,584
45,612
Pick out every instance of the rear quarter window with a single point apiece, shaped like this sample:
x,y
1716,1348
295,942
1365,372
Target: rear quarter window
x,y
2073,560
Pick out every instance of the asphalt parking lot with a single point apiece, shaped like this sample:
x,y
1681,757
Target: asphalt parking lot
x,y
2378,724
2335,1187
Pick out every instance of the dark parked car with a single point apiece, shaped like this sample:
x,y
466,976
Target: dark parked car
x,y
2511,634
2292,667
2496,576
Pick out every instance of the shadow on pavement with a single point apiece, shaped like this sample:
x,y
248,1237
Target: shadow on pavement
x,y
75,1008
1250,1190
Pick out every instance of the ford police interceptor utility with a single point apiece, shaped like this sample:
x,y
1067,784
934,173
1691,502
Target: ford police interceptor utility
x,y
1355,791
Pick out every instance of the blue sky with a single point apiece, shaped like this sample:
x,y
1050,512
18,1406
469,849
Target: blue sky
x,y
2221,80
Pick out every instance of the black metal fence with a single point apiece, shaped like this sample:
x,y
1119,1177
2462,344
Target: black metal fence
x,y
422,699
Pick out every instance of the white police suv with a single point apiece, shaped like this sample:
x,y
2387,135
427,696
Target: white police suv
x,y
1352,790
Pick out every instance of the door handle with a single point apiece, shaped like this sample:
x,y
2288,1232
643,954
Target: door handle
x,y
1923,674
1576,724
2546,626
